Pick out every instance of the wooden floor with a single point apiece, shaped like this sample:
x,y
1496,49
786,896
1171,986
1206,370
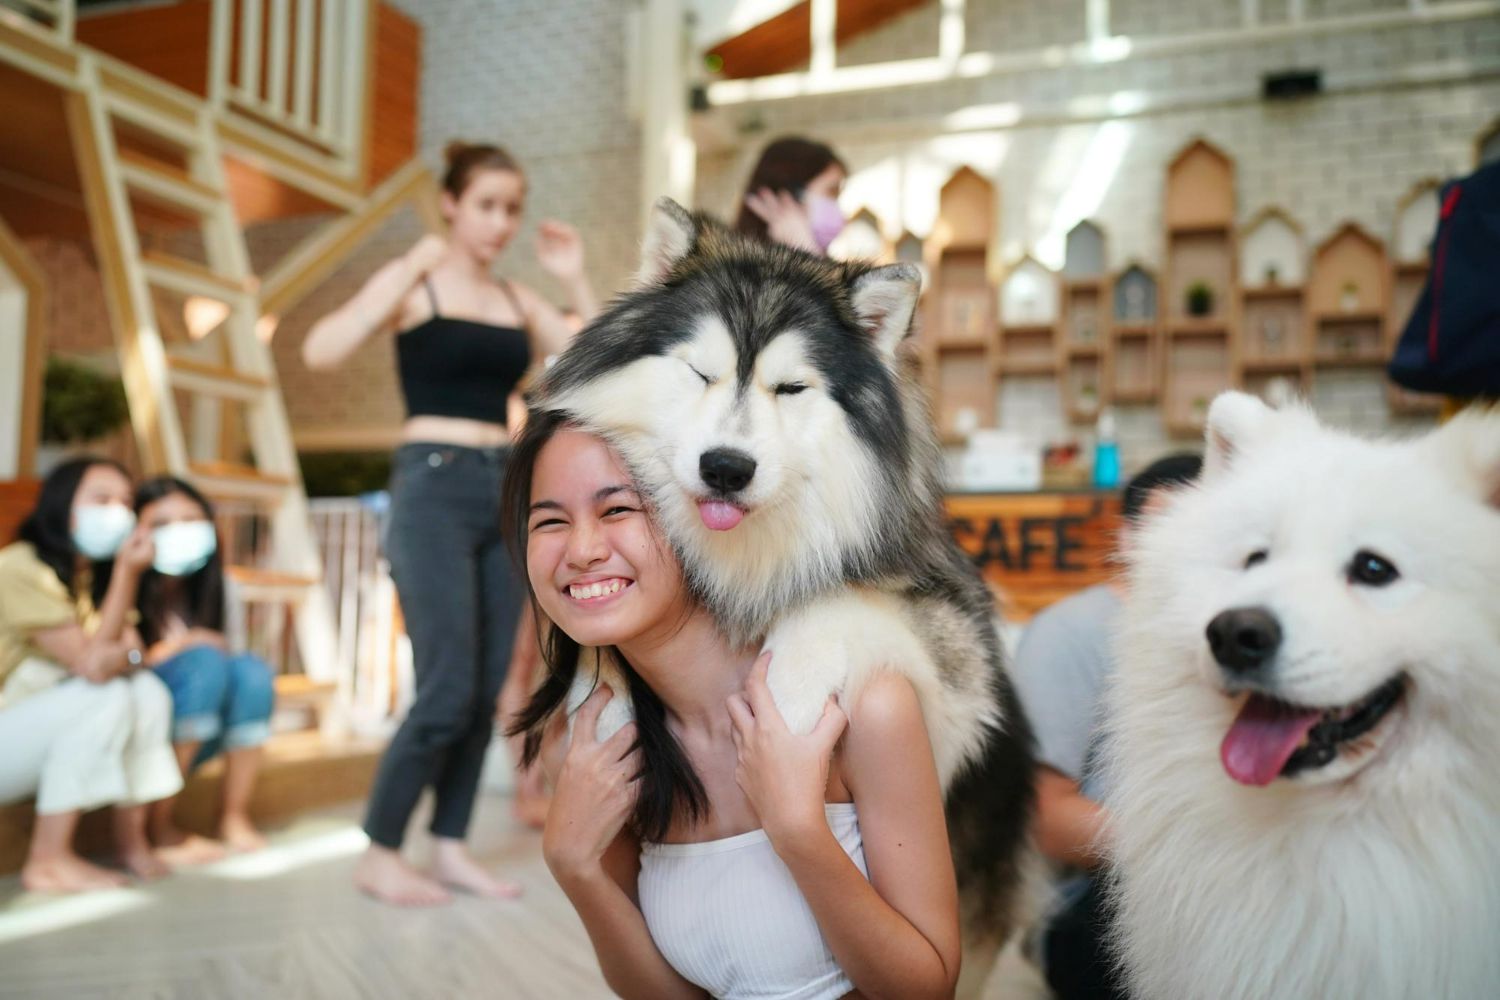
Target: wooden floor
x,y
285,923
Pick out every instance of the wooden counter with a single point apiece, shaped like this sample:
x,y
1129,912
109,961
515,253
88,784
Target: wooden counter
x,y
1036,548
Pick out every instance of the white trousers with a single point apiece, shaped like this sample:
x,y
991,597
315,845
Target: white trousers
x,y
77,745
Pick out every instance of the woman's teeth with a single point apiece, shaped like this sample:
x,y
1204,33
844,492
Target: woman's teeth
x,y
584,591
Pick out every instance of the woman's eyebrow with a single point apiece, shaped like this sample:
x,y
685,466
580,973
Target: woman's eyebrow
x,y
611,490
545,505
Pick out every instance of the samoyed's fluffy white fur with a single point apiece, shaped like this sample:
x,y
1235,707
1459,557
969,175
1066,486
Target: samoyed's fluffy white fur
x,y
1371,869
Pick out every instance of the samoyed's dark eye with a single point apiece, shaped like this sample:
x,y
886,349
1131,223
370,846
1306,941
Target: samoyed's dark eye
x,y
1256,558
705,378
1371,569
790,388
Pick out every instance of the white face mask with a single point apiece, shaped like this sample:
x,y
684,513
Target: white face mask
x,y
183,547
100,529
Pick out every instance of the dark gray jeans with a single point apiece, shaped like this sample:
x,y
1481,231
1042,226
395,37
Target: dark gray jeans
x,y
461,597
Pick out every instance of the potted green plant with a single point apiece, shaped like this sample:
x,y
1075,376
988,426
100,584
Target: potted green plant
x,y
1200,299
79,405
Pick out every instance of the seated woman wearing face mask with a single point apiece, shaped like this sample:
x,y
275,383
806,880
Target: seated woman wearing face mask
x,y
82,725
221,700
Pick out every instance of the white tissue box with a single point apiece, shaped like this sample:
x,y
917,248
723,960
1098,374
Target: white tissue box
x,y
989,469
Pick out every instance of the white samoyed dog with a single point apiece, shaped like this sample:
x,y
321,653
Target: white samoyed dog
x,y
1306,718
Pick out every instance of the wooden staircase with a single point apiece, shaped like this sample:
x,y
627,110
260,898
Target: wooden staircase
x,y
139,150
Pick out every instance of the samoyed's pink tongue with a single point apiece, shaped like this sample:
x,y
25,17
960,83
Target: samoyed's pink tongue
x,y
1264,736
718,515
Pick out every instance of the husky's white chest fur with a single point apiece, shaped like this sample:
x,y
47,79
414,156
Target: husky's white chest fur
x,y
1306,762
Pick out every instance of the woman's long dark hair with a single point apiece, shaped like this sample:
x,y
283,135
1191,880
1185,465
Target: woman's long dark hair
x,y
200,601
787,164
49,526
669,785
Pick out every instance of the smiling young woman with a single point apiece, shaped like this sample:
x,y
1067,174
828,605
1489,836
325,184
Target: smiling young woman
x,y
707,849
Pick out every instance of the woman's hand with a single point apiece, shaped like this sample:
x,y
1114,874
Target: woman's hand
x,y
594,794
785,218
426,254
784,776
136,554
559,249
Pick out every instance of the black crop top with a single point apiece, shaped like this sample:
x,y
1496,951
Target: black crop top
x,y
460,367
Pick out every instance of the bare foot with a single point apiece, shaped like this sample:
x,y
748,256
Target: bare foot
x,y
240,835
452,866
68,873
384,874
189,849
145,864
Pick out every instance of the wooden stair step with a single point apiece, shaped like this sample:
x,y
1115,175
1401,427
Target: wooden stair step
x,y
299,772
226,480
252,583
302,689
167,271
193,375
166,185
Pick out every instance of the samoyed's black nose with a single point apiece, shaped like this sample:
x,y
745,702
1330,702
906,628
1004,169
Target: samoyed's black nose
x,y
1244,639
726,470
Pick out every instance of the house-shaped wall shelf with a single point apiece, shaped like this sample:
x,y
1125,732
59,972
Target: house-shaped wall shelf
x,y
1086,306
1487,145
1411,241
1133,373
1201,301
1274,340
1028,319
959,341
1348,300
862,239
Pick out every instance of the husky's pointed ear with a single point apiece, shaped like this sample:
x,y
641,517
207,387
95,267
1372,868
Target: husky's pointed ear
x,y
1234,420
884,300
1470,445
669,237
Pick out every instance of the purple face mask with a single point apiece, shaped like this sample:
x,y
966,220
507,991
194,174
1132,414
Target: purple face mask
x,y
825,218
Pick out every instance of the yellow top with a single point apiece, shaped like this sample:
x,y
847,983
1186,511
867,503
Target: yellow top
x,y
32,599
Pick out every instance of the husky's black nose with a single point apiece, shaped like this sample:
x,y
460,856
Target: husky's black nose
x,y
1244,639
726,470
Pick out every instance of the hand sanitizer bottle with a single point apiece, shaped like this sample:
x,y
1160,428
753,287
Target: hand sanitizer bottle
x,y
1106,452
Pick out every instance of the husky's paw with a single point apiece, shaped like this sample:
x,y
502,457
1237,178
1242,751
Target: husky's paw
x,y
616,714
807,666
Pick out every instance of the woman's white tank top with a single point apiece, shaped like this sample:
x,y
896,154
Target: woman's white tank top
x,y
729,917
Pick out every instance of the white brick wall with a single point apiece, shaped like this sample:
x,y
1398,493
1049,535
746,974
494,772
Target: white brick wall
x,y
546,80
1348,154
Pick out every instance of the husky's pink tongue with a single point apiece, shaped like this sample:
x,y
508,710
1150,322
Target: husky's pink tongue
x,y
1264,736
718,515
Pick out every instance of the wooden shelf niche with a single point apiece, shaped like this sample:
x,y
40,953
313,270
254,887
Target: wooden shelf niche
x,y
1134,373
1085,323
1487,145
960,344
862,239
1411,242
1275,350
1200,350
1028,320
1348,301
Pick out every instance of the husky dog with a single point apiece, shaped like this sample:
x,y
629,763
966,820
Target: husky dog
x,y
757,394
1306,753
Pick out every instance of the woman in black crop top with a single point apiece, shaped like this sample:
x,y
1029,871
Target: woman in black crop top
x,y
465,340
